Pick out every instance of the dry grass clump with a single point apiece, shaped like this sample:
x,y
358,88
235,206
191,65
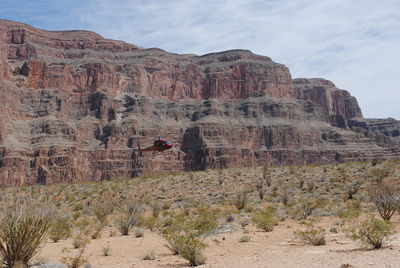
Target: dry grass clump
x,y
139,232
80,241
150,256
241,200
311,235
378,174
244,239
129,217
155,209
79,260
24,227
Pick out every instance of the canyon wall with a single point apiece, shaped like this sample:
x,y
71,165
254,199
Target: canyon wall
x,y
74,107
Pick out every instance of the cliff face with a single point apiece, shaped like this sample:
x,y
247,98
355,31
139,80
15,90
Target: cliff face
x,y
74,105
86,62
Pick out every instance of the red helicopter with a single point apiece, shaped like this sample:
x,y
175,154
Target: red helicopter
x,y
159,146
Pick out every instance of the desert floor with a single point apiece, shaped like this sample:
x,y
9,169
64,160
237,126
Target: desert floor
x,y
265,249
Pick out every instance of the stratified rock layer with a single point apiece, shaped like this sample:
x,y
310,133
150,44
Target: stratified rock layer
x,y
74,107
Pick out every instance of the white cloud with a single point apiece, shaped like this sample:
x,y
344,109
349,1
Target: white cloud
x,y
353,43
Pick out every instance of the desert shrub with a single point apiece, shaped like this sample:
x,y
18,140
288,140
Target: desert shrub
x,y
371,232
77,261
129,217
84,224
151,222
24,227
310,186
305,207
166,206
374,162
333,230
185,234
150,256
76,215
244,239
61,228
106,251
350,211
155,210
190,247
386,200
139,232
230,216
101,211
311,235
267,178
284,196
96,233
80,241
260,189
241,200
265,219
301,183
379,174
352,189
274,191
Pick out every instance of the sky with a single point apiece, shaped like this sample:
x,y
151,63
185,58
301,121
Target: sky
x,y
354,43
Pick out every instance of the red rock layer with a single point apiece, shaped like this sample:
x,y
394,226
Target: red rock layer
x,y
84,61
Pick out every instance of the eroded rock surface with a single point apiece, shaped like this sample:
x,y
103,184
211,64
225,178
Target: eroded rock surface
x,y
74,106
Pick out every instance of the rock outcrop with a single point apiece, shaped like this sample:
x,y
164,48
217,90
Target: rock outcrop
x,y
338,104
74,106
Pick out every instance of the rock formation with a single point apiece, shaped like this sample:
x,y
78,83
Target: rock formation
x,y
74,105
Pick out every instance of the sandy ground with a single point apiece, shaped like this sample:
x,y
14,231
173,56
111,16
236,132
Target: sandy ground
x,y
272,249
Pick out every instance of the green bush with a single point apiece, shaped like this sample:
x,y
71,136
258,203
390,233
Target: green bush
x,y
189,246
265,219
61,229
185,234
372,232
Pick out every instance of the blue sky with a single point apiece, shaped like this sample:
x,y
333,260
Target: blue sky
x,y
354,43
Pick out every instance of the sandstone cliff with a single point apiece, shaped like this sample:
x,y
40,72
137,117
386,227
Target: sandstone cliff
x,y
74,105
